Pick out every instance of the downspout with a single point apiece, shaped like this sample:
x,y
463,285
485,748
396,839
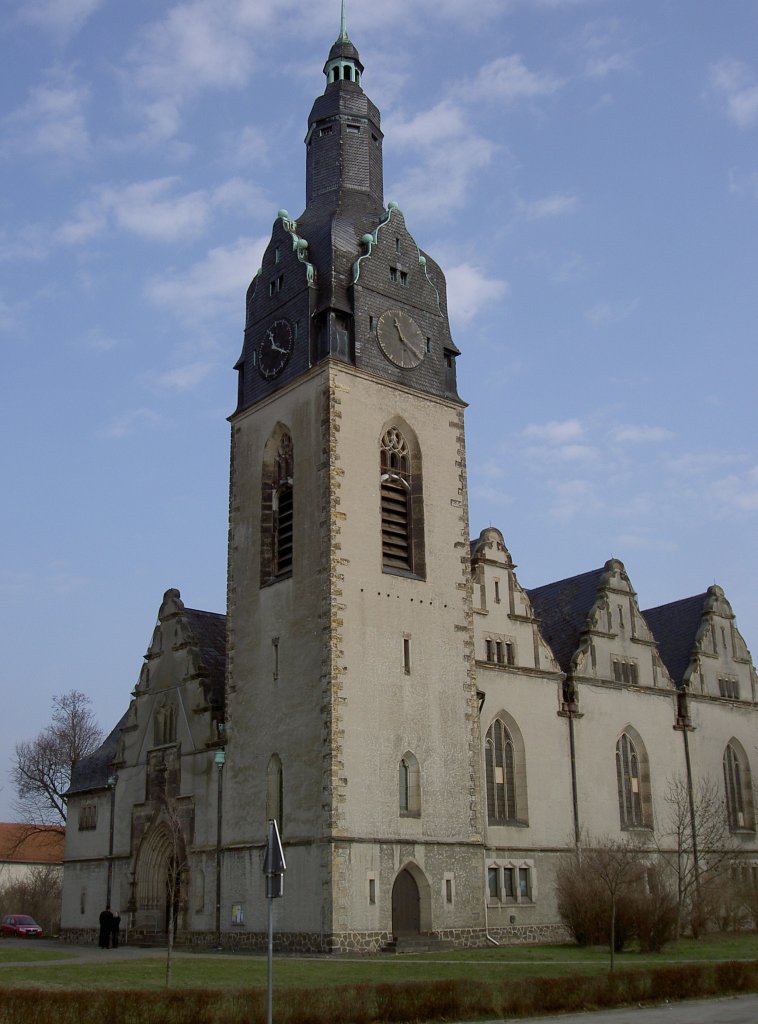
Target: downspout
x,y
570,711
683,722
487,935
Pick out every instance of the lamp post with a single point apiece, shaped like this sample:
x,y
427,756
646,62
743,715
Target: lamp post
x,y
112,779
219,758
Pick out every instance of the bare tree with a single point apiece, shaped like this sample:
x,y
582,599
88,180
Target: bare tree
x,y
695,842
42,770
617,865
173,818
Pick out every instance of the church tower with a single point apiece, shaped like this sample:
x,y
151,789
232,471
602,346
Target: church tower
x,y
352,712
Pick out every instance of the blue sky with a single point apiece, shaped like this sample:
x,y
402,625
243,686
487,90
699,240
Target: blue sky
x,y
586,173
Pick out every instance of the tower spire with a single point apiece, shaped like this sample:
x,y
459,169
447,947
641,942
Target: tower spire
x,y
343,36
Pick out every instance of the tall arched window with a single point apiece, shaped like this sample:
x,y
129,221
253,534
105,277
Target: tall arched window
x,y
409,786
277,507
738,786
401,502
633,782
275,791
501,778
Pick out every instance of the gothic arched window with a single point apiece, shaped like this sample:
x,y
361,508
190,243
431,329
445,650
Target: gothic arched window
x,y
401,504
633,782
505,769
739,803
277,507
409,786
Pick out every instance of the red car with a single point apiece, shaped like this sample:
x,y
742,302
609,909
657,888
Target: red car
x,y
20,925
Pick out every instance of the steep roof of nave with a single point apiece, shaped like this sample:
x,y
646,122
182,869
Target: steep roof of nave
x,y
675,627
209,630
562,608
93,771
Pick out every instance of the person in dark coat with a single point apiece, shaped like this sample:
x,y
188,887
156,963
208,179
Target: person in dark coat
x,y
115,924
106,920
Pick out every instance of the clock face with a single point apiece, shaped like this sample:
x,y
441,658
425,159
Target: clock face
x,y
400,338
275,349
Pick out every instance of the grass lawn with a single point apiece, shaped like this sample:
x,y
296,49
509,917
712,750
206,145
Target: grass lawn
x,y
16,955
244,971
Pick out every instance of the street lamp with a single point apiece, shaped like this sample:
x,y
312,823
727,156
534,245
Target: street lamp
x,y
219,758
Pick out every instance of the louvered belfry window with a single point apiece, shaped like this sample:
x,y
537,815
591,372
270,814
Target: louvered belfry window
x,y
283,508
397,549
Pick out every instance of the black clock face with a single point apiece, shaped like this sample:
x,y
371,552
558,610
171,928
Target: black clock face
x,y
400,338
275,349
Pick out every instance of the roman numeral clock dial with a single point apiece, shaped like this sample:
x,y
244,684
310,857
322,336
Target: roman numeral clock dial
x,y
401,339
275,349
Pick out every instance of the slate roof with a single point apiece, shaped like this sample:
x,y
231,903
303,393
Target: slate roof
x,y
209,629
675,627
31,844
562,609
92,772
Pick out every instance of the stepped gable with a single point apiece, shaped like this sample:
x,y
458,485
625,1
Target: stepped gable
x,y
675,627
562,609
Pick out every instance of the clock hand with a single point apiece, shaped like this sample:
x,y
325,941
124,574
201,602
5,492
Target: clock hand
x,y
404,341
275,347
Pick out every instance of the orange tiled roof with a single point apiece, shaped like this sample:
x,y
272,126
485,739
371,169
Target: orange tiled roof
x,y
31,844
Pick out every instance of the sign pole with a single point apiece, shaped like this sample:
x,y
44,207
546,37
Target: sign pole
x,y
273,868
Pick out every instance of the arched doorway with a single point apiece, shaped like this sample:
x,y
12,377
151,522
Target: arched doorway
x,y
406,905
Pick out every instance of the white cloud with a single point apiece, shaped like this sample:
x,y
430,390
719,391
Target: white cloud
x,y
507,79
575,498
150,210
604,313
185,378
129,422
738,492
61,18
52,122
555,431
551,206
735,83
211,286
642,433
469,289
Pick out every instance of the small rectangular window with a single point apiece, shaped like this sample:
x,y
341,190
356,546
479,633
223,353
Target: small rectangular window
x,y
327,130
524,884
448,890
499,652
397,245
497,591
428,344
393,274
277,254
372,890
370,325
407,655
510,653
403,278
489,650
508,888
353,128
492,883
621,617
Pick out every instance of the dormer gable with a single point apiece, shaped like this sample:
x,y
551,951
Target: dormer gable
x,y
595,626
703,648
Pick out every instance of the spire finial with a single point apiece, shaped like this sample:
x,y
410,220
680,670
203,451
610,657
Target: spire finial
x,y
343,36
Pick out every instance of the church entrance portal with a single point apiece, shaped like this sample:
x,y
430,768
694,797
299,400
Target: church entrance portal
x,y
406,905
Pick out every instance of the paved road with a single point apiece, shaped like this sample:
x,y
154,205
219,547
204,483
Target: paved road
x,y
736,1010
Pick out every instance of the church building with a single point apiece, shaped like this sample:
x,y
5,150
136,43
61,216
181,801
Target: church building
x,y
432,739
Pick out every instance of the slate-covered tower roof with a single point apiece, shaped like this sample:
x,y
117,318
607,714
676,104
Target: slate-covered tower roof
x,y
329,275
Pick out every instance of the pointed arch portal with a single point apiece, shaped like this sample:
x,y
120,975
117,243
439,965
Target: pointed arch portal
x,y
406,905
